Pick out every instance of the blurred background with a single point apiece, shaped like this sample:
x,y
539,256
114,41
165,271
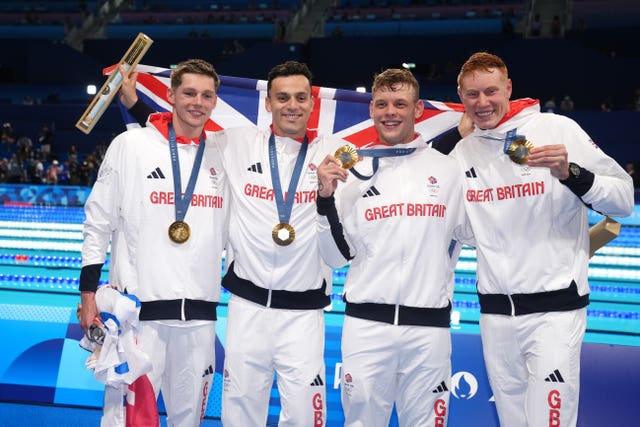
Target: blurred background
x,y
578,57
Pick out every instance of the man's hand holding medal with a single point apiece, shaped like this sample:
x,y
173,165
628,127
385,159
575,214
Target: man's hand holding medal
x,y
554,157
335,168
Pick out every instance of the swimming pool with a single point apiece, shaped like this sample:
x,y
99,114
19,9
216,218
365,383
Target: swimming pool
x,y
39,270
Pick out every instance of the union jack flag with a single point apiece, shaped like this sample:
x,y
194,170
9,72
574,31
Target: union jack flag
x,y
343,113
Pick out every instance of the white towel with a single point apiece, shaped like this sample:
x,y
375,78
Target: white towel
x,y
118,360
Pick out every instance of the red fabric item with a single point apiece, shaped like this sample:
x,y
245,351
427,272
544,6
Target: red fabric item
x,y
142,408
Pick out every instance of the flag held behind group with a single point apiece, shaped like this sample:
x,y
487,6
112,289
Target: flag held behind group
x,y
339,112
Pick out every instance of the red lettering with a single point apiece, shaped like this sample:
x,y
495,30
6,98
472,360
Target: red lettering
x,y
554,399
376,213
162,198
508,192
318,405
204,401
398,209
430,210
368,215
518,189
555,403
440,408
317,401
258,192
200,200
480,195
471,196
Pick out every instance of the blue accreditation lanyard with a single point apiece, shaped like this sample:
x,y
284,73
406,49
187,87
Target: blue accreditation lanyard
x,y
511,137
376,154
182,201
283,205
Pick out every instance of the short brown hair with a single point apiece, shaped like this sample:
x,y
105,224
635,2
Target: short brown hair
x,y
482,61
193,66
389,78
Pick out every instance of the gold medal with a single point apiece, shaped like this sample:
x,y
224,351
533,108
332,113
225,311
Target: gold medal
x,y
519,151
283,234
179,232
347,156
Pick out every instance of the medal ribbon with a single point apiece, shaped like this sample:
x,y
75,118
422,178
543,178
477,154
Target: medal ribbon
x,y
182,201
285,206
376,154
511,136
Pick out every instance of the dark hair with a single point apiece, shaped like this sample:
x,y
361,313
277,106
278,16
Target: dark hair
x,y
193,66
289,68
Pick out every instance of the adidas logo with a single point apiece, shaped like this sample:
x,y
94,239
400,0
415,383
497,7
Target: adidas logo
x,y
317,381
156,174
373,191
442,387
208,371
471,173
255,168
554,377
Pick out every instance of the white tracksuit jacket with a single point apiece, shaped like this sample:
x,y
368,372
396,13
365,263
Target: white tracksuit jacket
x,y
399,225
132,203
296,267
531,230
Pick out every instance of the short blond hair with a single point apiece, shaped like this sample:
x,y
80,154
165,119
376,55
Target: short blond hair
x,y
391,77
